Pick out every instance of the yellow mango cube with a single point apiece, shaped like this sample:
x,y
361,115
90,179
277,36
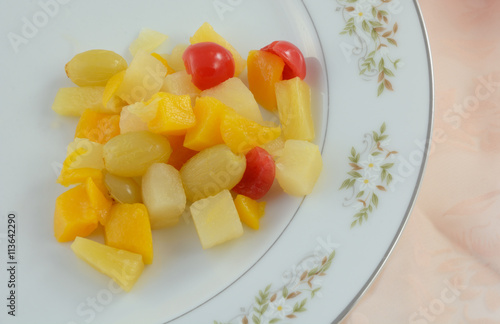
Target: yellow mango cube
x,y
206,33
174,115
73,215
249,210
73,176
99,202
128,228
97,127
242,134
209,113
122,266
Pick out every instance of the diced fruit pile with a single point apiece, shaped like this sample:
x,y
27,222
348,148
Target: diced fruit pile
x,y
179,133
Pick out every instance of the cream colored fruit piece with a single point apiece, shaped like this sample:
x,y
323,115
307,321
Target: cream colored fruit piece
x,y
83,153
294,106
235,94
211,171
175,58
131,122
143,78
216,219
299,167
122,266
147,41
163,195
179,83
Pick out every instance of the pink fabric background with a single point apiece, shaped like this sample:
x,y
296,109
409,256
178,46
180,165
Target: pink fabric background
x,y
446,267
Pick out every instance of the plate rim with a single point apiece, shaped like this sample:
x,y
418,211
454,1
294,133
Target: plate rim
x,y
426,152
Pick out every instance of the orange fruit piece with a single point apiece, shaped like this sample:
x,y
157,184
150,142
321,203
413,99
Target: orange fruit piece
x,y
97,127
242,134
128,228
180,153
99,202
249,210
264,70
73,176
174,114
73,215
206,133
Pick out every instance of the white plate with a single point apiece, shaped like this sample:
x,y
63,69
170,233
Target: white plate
x,y
288,267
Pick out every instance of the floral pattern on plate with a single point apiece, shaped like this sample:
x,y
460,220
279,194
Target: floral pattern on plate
x,y
370,23
369,175
285,303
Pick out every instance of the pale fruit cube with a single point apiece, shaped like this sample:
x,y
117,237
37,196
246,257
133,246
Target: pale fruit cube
x,y
175,58
235,94
216,219
131,122
294,106
73,101
163,195
122,266
299,167
211,171
147,41
83,153
206,33
145,110
179,83
143,78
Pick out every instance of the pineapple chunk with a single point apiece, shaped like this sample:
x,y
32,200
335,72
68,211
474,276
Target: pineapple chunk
x,y
175,58
299,167
235,94
206,33
211,171
163,195
179,83
143,78
216,219
83,153
294,107
73,101
122,266
147,41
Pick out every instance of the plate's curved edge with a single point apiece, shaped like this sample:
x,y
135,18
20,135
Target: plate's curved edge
x,y
413,199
